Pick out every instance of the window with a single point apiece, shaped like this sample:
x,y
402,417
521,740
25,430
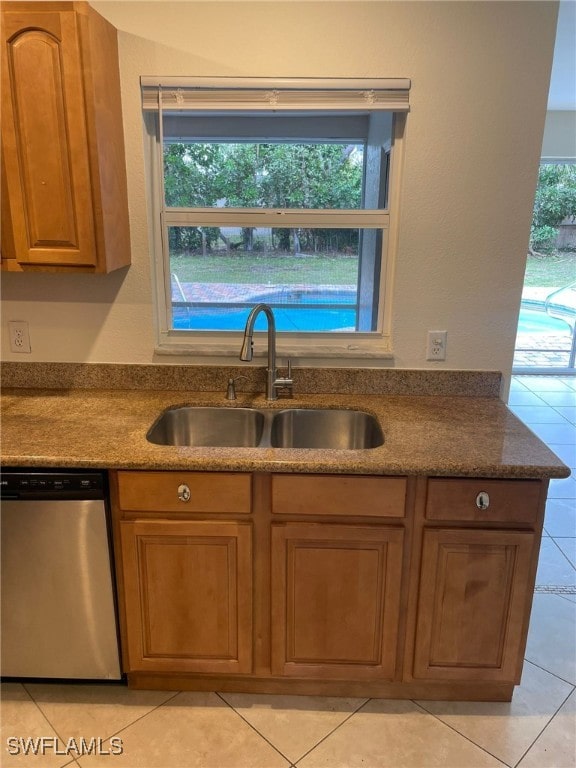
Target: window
x,y
282,195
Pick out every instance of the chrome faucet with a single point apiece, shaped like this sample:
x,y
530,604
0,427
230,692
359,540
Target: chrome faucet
x,y
273,382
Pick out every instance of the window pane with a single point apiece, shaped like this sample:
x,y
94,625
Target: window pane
x,y
310,277
264,175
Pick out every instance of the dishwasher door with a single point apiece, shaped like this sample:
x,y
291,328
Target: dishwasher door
x,y
58,611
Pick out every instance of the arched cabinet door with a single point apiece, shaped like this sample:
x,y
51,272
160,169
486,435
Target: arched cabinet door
x,y
61,137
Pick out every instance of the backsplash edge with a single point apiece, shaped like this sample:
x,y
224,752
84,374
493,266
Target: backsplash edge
x,y
210,378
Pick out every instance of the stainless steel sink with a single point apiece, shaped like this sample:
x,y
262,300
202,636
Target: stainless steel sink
x,y
325,428
215,427
208,427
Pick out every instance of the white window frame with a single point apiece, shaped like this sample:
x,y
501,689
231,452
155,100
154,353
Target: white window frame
x,y
313,94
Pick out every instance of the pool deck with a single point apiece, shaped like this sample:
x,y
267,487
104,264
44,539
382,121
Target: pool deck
x,y
541,350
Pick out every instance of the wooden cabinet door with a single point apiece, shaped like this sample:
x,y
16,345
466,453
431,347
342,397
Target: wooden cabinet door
x,y
335,600
45,139
188,595
474,604
62,140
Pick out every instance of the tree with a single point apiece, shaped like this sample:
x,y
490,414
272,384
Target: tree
x,y
555,200
264,175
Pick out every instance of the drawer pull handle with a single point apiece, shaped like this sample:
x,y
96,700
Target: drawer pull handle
x,y
184,492
482,500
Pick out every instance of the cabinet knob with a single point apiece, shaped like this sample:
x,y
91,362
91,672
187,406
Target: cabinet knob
x,y
482,500
184,492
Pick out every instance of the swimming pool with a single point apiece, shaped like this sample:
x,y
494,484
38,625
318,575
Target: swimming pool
x,y
319,312
294,310
534,321
295,318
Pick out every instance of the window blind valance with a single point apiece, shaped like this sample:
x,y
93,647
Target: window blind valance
x,y
269,94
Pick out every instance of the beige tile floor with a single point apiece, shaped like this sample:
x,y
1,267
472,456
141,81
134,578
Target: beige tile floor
x,y
222,730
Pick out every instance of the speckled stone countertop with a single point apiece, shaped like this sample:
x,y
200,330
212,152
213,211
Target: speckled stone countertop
x,y
426,435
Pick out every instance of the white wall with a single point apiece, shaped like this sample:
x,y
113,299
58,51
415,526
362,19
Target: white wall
x,y
480,73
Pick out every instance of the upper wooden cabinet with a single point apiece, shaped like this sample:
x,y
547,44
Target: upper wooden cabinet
x,y
65,203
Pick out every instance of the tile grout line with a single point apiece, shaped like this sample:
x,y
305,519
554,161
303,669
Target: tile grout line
x,y
282,755
39,708
555,408
337,727
557,540
72,761
543,729
141,717
562,551
334,729
565,596
137,720
462,735
554,674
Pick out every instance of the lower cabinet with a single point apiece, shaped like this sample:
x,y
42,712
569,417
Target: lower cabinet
x,y
335,600
474,601
344,585
188,595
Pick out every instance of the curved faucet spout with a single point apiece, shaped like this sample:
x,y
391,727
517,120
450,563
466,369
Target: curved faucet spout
x,y
247,344
272,381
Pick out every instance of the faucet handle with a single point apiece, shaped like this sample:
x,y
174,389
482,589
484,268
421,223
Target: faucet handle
x,y
288,378
285,382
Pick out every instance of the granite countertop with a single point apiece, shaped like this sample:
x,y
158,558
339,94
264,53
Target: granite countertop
x,y
425,435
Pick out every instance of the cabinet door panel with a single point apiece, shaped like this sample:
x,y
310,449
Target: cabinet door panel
x,y
45,140
188,591
335,600
473,604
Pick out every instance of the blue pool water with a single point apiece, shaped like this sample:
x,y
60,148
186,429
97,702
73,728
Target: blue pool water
x,y
307,311
294,310
537,321
287,319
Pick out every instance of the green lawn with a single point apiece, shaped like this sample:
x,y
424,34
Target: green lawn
x,y
266,268
555,270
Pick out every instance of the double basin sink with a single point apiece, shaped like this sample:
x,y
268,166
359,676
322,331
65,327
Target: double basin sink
x,y
215,427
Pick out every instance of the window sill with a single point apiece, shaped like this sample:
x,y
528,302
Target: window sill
x,y
318,351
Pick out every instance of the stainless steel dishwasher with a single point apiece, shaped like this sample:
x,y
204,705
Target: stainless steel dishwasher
x,y
58,610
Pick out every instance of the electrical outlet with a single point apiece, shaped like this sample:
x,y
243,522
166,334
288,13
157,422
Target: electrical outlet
x,y
436,346
19,336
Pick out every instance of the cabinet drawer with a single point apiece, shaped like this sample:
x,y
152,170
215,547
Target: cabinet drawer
x,y
502,501
208,492
336,495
